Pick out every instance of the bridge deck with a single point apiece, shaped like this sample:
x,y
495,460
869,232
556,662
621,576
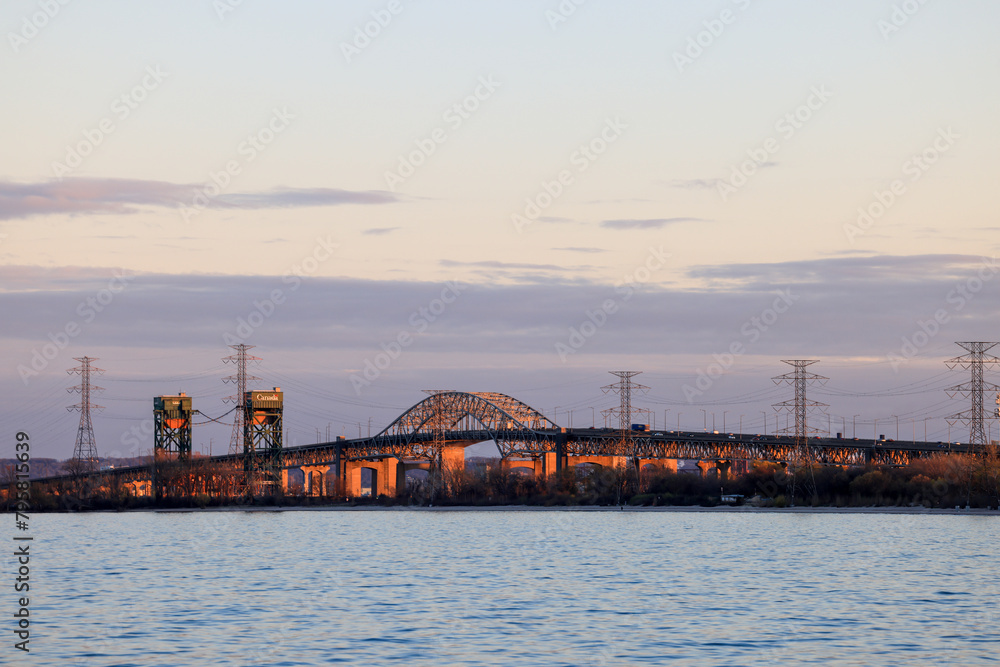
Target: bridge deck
x,y
592,442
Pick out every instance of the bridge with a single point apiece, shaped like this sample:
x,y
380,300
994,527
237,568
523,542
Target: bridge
x,y
434,433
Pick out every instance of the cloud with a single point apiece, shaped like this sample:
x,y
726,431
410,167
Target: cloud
x,y
695,183
165,333
576,249
77,196
707,183
885,269
494,264
844,306
654,223
380,231
294,198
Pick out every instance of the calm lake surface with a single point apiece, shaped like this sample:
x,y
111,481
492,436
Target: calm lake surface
x,y
511,588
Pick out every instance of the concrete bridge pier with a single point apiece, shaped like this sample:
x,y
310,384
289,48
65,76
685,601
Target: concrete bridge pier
x,y
314,480
723,467
548,464
388,474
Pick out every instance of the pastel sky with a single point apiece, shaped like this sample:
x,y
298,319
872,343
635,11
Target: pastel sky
x,y
689,176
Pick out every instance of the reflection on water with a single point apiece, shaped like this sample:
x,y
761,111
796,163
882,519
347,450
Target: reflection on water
x,y
513,588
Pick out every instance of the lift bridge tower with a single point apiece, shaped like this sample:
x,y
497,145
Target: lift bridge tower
x,y
172,426
262,428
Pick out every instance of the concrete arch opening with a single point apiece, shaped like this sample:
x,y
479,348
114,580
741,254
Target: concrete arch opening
x,y
369,482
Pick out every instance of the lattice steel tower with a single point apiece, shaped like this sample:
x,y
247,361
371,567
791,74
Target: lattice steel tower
x,y
172,426
263,432
975,362
238,443
624,388
800,406
85,452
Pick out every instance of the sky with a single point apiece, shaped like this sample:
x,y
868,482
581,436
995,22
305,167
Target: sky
x,y
396,196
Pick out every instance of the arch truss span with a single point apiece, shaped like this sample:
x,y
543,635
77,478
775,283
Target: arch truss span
x,y
457,416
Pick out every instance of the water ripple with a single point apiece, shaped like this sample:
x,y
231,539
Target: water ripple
x,y
513,588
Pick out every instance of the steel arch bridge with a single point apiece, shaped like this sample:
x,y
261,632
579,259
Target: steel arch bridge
x,y
447,421
456,416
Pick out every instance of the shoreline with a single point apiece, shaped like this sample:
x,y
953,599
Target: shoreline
x,y
586,508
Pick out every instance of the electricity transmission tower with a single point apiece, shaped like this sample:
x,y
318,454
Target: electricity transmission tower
x,y
975,361
438,422
238,443
85,452
800,407
624,388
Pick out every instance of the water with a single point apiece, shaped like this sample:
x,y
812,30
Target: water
x,y
512,588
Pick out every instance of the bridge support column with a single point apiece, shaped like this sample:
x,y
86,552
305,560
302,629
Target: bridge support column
x,y
560,453
392,476
314,479
352,478
284,481
545,465
338,470
550,463
723,468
